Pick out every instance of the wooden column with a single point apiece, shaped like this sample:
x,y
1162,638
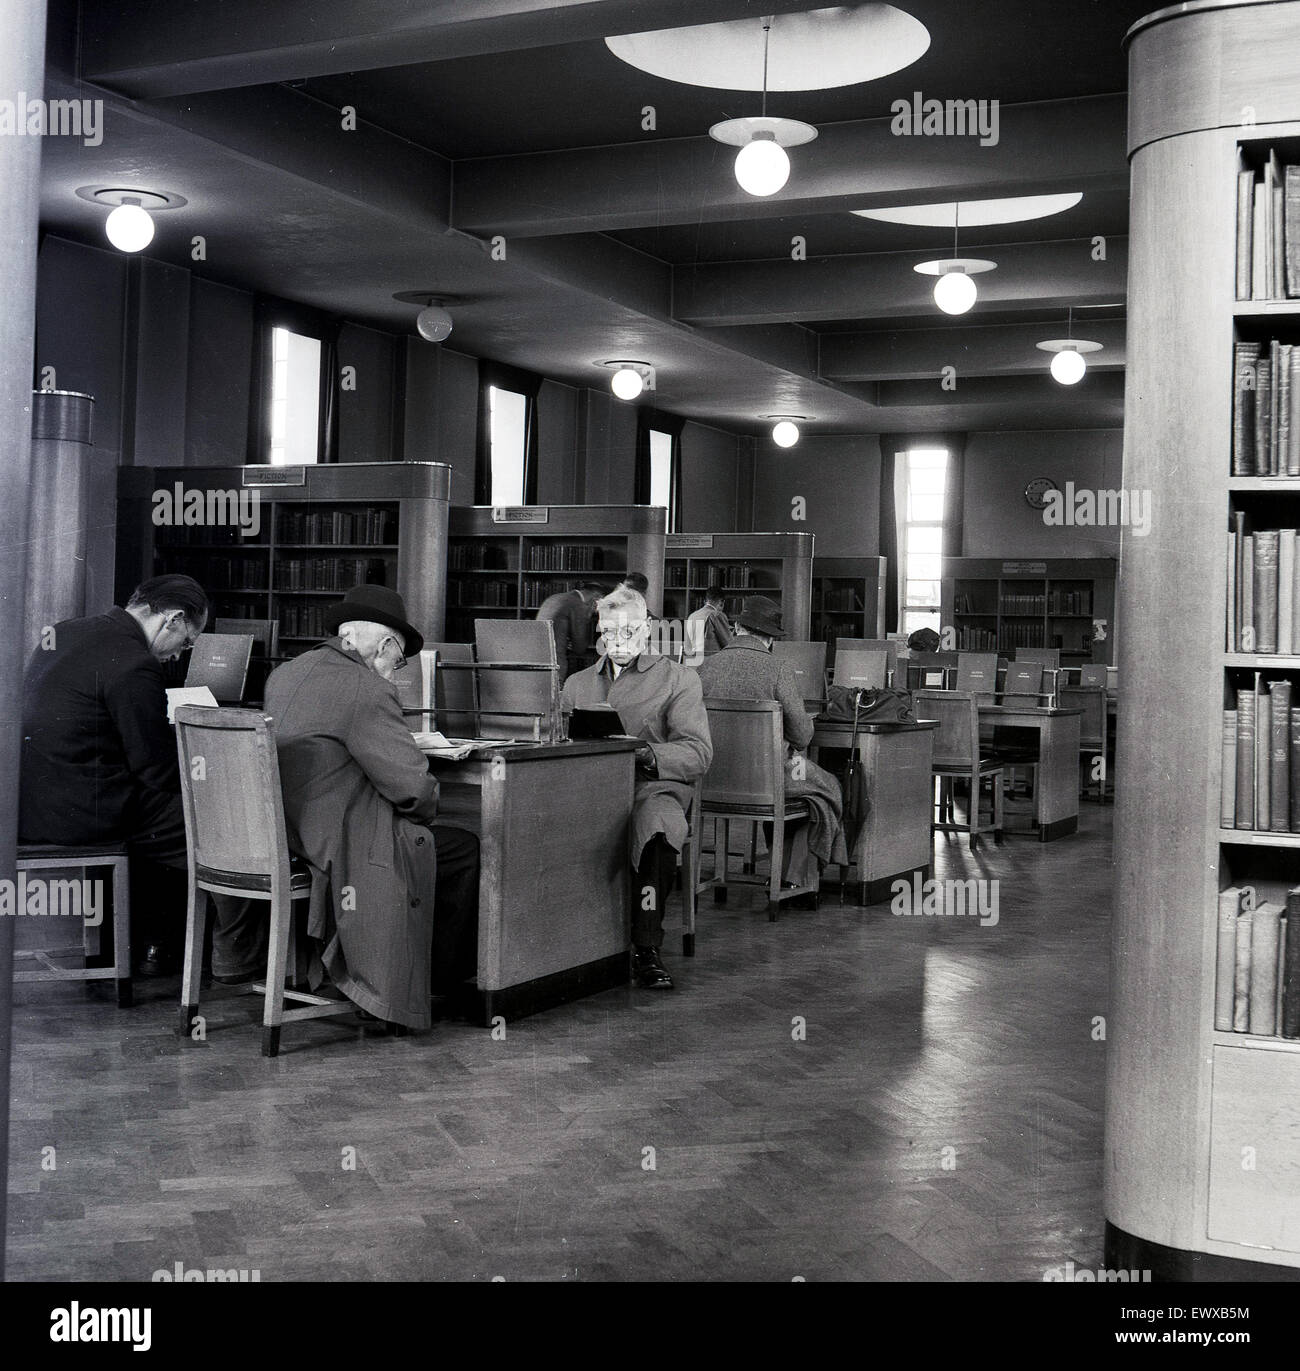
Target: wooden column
x,y
22,66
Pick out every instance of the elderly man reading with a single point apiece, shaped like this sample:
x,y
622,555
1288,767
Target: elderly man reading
x,y
394,900
660,702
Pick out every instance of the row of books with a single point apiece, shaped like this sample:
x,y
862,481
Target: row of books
x,y
1261,760
977,640
1023,604
476,557
1021,635
231,573
1266,409
1058,602
1070,602
303,620
365,527
537,591
328,573
1268,231
1257,965
499,594
565,557
841,599
1263,600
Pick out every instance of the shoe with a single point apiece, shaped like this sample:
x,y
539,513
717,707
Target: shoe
x,y
649,970
158,961
394,1030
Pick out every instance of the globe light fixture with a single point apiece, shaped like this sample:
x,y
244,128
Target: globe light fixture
x,y
785,429
433,323
628,378
762,165
130,225
1068,361
954,291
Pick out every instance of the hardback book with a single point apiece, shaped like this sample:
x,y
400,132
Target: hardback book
x,y
1245,226
1263,415
1233,639
1239,564
1245,759
1241,974
1291,967
1282,409
1261,222
1228,798
1245,361
1279,978
1226,958
1275,372
1285,590
1277,227
1263,969
1293,421
1263,753
1291,230
1279,760
1266,555
1248,631
1295,769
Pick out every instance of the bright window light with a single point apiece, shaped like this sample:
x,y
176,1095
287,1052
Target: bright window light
x,y
295,398
661,469
926,474
509,414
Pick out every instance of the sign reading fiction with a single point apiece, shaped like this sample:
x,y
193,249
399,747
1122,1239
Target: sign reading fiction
x,y
274,476
676,540
521,514
1024,568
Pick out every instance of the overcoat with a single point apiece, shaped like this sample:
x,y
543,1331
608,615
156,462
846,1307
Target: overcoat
x,y
660,702
358,797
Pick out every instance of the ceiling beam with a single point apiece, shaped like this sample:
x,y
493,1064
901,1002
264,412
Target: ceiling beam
x,y
158,47
1036,393
997,350
883,285
1042,148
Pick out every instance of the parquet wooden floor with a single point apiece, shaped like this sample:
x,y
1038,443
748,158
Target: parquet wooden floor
x,y
940,1121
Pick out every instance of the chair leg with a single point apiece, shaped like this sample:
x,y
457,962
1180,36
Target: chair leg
x,y
776,855
276,963
122,933
720,857
997,805
196,919
751,865
690,879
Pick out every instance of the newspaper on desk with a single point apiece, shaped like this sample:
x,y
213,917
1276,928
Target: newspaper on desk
x,y
454,749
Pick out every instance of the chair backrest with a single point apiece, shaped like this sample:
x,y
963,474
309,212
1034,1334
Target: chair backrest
x,y
266,633
977,672
220,662
415,690
1024,678
748,767
1049,656
808,662
680,640
1093,724
515,693
230,794
889,646
957,740
455,691
859,668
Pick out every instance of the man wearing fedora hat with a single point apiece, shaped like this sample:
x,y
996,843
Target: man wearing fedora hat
x,y
394,902
746,670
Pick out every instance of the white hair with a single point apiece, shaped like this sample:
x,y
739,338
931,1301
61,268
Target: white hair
x,y
623,603
367,633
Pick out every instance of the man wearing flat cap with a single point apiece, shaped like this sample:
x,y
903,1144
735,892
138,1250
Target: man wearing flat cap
x,y
746,670
394,901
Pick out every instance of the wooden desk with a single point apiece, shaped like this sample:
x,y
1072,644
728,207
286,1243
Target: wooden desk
x,y
895,760
1056,794
552,821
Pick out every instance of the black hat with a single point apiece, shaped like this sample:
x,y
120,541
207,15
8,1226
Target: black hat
x,y
375,605
762,616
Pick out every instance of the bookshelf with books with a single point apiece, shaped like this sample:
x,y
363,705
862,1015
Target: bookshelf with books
x,y
999,606
848,599
504,561
778,565
1203,1040
313,533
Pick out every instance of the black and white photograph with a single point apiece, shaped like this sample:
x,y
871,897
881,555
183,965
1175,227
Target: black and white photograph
x,y
416,422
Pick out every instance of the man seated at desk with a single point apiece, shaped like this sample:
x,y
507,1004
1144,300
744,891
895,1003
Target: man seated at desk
x,y
394,899
660,702
746,670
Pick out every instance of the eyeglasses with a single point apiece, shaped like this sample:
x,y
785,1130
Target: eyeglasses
x,y
190,636
400,665
623,633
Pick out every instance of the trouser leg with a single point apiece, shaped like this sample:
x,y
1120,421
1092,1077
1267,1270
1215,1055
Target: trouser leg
x,y
650,890
455,909
794,853
156,845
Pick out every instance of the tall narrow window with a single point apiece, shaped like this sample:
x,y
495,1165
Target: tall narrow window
x,y
922,550
508,418
659,467
295,398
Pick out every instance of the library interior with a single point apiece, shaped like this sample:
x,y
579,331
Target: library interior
x,y
656,641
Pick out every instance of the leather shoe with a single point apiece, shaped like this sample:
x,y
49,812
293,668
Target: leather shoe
x,y
649,971
158,961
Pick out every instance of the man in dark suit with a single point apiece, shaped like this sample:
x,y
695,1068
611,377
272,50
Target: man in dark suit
x,y
572,615
99,757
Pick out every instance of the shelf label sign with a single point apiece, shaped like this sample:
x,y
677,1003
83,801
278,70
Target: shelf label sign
x,y
521,514
1024,568
275,476
676,540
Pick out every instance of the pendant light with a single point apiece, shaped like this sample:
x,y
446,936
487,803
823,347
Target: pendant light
x,y
762,164
955,291
1068,362
785,428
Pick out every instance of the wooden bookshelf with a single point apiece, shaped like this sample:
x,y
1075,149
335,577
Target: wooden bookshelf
x,y
778,565
1201,1125
848,599
504,561
1000,605
321,530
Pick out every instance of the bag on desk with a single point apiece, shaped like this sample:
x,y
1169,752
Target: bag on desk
x,y
869,706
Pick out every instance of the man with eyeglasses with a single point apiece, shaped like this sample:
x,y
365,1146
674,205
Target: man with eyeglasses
x,y
99,758
661,703
394,902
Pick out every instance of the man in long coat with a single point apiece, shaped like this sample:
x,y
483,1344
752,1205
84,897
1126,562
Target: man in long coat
x,y
746,670
572,621
660,702
391,893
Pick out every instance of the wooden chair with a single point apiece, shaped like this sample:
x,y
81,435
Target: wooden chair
x,y
808,662
689,873
234,828
746,782
957,758
1093,726
90,857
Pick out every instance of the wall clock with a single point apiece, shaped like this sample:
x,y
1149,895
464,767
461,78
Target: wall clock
x,y
1036,491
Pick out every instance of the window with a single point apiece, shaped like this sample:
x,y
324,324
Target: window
x,y
295,398
659,467
507,440
926,475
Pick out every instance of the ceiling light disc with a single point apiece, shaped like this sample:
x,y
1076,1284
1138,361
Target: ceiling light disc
x,y
787,133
